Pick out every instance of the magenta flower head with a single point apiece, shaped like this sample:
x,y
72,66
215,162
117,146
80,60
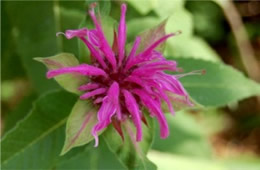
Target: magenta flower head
x,y
122,83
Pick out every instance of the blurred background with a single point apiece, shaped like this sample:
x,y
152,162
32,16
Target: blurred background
x,y
211,138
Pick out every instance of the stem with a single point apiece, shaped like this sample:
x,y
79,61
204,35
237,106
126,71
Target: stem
x,y
57,19
245,49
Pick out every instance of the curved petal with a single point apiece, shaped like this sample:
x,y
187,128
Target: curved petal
x,y
151,68
93,93
173,85
148,50
133,109
154,107
89,86
104,46
98,100
122,35
144,56
82,69
107,110
162,94
69,34
92,36
133,51
94,52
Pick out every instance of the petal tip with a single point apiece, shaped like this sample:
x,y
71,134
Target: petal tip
x,y
49,75
95,137
60,33
164,135
123,7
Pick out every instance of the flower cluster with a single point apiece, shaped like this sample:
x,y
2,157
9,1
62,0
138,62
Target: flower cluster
x,y
122,84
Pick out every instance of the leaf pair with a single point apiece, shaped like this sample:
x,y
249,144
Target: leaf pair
x,y
83,115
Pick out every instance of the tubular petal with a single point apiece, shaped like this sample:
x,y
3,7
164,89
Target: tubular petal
x,y
107,110
93,93
122,35
98,100
160,92
133,51
151,68
104,46
173,85
148,50
154,107
144,56
92,36
133,109
195,72
164,96
119,83
94,52
119,113
69,34
89,86
82,69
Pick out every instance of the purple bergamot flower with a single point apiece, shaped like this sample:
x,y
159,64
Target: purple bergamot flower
x,y
120,83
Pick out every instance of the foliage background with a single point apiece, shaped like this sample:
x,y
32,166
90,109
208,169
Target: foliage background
x,y
222,135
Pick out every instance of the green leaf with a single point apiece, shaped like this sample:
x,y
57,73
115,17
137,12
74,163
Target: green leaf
x,y
43,152
20,111
79,125
70,82
221,85
26,145
131,153
91,158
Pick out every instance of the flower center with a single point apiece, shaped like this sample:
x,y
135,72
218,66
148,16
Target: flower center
x,y
119,76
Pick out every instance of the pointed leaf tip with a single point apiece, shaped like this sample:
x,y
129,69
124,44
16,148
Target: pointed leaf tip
x,y
69,82
79,125
220,86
